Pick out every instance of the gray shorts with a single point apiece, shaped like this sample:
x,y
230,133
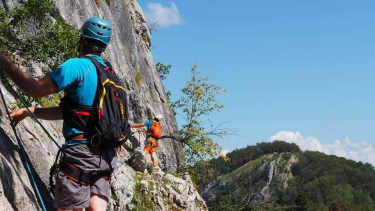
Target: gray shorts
x,y
72,195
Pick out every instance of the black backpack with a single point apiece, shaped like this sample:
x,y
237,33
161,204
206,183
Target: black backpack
x,y
105,124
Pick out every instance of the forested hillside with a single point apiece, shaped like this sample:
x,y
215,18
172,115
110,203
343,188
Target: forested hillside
x,y
280,176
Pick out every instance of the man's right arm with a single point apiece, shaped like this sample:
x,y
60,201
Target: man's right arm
x,y
26,83
138,125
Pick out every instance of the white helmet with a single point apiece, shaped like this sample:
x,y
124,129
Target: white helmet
x,y
159,117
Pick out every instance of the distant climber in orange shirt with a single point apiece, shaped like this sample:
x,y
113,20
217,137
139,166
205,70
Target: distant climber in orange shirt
x,y
153,135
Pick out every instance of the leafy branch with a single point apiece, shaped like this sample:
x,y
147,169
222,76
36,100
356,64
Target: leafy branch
x,y
198,101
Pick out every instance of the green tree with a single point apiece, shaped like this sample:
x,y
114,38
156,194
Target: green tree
x,y
198,101
163,70
48,41
30,32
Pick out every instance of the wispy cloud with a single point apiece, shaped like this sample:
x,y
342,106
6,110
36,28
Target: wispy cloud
x,y
163,16
358,151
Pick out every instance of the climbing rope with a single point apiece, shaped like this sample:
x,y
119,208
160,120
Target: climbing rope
x,y
27,107
129,157
22,150
125,160
23,155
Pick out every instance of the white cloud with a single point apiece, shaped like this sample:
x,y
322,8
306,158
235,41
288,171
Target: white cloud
x,y
164,16
224,152
358,151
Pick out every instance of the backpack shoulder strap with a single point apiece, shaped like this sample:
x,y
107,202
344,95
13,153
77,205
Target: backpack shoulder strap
x,y
96,62
108,64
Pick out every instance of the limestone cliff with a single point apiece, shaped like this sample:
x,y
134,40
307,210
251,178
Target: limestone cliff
x,y
129,54
255,181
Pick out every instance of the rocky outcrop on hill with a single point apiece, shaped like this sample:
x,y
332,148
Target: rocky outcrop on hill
x,y
129,54
255,181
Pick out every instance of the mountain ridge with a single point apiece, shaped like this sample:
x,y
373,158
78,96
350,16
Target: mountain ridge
x,y
279,176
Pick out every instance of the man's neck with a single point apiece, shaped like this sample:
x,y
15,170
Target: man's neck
x,y
86,53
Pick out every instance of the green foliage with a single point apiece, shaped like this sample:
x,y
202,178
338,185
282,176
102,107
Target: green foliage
x,y
153,27
152,185
18,103
202,173
176,189
230,202
175,174
45,103
328,181
168,93
30,32
163,70
49,42
197,102
166,181
150,168
114,196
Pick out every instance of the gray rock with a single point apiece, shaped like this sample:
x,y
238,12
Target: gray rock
x,y
144,186
157,176
139,162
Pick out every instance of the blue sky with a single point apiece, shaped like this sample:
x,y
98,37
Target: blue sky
x,y
301,71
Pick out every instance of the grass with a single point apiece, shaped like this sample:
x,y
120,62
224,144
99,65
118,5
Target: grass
x,y
138,78
198,203
176,174
176,189
150,168
152,185
50,101
152,95
114,197
166,181
141,200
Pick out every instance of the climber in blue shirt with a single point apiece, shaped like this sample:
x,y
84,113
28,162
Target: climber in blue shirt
x,y
78,79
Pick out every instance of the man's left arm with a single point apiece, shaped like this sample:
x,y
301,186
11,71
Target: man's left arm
x,y
25,82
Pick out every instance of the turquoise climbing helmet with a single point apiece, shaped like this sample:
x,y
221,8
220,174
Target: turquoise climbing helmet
x,y
98,29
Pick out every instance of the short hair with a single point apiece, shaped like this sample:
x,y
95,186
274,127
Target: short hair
x,y
93,45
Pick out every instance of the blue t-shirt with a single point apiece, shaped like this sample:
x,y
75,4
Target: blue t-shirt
x,y
148,124
79,79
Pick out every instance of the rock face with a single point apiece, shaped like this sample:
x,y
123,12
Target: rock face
x,y
156,191
255,181
130,56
